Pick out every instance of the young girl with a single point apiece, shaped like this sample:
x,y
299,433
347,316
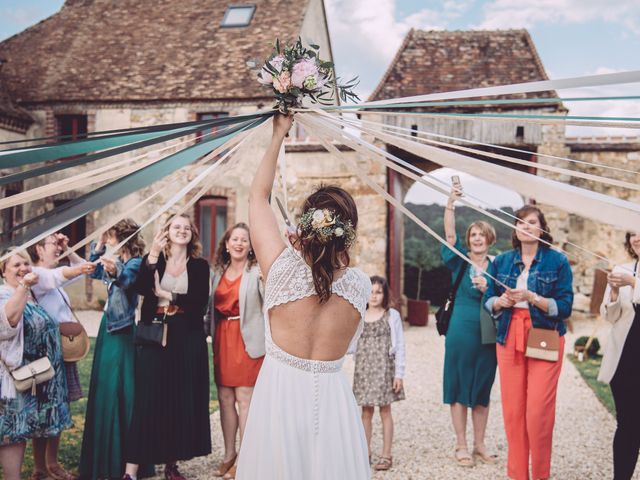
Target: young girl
x,y
380,360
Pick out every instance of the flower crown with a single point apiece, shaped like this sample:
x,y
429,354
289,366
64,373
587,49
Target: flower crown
x,y
325,225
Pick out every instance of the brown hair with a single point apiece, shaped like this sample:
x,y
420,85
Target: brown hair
x,y
12,251
222,258
487,230
523,212
386,297
327,256
627,244
32,250
194,248
121,230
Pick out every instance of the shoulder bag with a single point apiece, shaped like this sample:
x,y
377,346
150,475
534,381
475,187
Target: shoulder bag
x,y
443,315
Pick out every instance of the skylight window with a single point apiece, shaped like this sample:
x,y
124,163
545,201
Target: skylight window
x,y
238,15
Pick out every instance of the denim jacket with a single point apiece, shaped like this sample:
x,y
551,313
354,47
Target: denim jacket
x,y
550,277
122,298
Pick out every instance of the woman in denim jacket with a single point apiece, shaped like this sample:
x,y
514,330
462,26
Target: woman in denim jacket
x,y
540,295
112,386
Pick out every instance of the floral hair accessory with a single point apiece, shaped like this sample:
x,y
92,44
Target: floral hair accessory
x,y
326,225
295,72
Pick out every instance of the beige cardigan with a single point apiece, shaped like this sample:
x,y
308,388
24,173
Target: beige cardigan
x,y
251,315
621,314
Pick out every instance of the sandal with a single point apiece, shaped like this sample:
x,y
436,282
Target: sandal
x,y
463,460
384,463
56,472
224,467
230,474
484,458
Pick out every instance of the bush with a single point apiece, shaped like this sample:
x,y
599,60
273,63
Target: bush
x,y
594,348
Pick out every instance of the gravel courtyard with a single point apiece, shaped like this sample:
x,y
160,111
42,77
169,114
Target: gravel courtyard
x,y
424,442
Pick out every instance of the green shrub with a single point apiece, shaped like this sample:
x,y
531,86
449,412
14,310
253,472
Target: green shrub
x,y
594,348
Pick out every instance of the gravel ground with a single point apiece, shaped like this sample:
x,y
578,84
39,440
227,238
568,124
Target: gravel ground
x,y
424,440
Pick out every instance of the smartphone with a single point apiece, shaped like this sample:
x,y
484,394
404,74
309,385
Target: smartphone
x,y
456,183
287,222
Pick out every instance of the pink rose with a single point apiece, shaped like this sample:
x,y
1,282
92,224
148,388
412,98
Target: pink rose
x,y
305,71
265,77
282,82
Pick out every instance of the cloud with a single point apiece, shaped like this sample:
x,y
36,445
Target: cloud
x,y
529,13
366,35
607,108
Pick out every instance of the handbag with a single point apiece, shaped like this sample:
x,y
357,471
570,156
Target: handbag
x,y
487,328
543,344
154,333
74,340
443,315
34,373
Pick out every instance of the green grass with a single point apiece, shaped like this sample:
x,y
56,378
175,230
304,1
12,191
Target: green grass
x,y
589,371
71,442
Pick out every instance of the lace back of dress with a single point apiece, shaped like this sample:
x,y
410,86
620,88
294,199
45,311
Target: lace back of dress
x,y
290,279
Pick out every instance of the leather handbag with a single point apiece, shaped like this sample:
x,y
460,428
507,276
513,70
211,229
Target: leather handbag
x,y
34,373
543,344
73,337
443,315
154,333
74,341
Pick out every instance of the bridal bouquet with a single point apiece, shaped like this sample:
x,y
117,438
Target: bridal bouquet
x,y
295,72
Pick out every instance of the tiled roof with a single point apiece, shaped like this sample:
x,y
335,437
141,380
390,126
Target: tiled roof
x,y
12,117
146,50
441,61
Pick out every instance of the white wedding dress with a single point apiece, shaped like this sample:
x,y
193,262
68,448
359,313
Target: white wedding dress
x,y
303,421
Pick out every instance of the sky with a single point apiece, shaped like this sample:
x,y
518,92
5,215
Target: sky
x,y
573,38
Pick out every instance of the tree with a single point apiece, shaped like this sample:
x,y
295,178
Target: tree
x,y
417,256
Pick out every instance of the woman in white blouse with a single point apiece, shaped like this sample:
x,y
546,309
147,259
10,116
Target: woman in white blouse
x,y
621,307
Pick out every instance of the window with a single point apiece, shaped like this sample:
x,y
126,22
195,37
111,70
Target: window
x,y
519,134
76,230
209,132
211,217
74,127
238,16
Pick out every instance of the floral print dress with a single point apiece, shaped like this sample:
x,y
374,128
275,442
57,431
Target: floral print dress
x,y
375,367
45,414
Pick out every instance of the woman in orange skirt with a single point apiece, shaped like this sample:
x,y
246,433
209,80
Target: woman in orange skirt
x,y
238,335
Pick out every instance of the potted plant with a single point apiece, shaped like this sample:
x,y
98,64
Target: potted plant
x,y
586,346
417,257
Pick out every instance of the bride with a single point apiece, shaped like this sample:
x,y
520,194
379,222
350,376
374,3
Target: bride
x,y
303,420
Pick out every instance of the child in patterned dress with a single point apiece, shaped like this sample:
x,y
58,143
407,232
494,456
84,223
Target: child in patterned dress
x,y
379,366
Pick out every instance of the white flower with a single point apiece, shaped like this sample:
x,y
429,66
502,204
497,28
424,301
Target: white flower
x,y
339,232
317,217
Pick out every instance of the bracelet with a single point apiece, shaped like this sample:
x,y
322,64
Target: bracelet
x,y
536,298
450,208
22,284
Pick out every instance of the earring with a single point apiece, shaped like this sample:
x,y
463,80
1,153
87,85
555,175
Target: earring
x,y
227,250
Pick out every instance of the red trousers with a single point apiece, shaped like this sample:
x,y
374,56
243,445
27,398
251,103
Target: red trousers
x,y
528,391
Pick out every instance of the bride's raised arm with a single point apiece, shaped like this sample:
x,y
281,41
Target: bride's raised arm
x,y
265,235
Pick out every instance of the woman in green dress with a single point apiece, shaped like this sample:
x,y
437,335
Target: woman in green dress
x,y
112,387
469,366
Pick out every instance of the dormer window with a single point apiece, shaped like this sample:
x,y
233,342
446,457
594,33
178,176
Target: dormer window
x,y
238,16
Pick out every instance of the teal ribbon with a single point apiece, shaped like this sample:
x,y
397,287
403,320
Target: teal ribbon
x,y
451,103
62,165
29,155
113,191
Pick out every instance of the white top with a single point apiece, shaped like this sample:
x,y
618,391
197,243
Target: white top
x,y
50,294
521,284
11,346
179,284
397,343
621,314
